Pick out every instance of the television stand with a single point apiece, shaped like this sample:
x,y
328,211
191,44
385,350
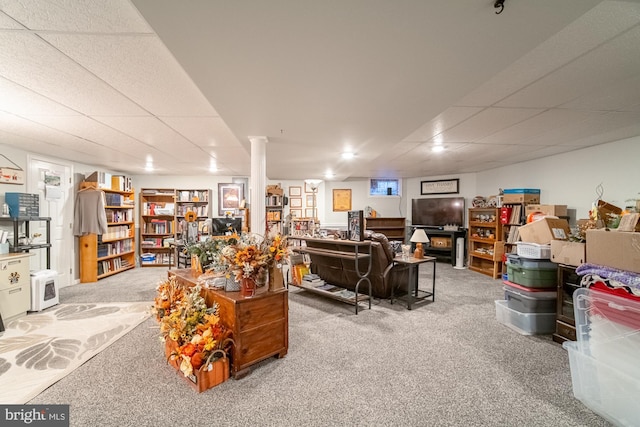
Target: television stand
x,y
442,243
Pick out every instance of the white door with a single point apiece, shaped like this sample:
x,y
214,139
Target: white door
x,y
52,181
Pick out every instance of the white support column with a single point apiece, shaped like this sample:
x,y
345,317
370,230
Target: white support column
x,y
258,183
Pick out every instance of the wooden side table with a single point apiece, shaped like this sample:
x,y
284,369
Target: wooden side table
x,y
413,293
260,324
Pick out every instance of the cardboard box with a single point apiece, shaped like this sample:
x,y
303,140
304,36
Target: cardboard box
x,y
617,249
569,253
545,230
555,210
520,198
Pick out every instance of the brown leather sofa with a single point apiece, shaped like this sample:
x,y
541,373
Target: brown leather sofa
x,y
342,272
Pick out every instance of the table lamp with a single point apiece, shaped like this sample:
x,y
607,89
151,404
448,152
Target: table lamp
x,y
419,237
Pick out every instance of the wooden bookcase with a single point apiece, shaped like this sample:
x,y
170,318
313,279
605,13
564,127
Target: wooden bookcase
x,y
393,228
274,210
157,225
197,201
113,252
485,241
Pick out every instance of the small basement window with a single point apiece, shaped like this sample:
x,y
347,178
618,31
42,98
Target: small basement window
x,y
379,187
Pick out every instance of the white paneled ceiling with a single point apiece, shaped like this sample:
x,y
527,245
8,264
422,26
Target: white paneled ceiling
x,y
116,83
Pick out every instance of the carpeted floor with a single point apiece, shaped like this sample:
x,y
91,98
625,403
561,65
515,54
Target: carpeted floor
x,y
39,349
447,363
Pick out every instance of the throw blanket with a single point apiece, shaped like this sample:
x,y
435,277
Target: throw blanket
x,y
612,277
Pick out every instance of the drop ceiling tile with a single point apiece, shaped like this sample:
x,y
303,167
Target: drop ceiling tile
x,y
95,131
617,60
595,27
7,23
446,120
22,101
540,124
113,16
487,122
30,62
140,67
623,95
206,132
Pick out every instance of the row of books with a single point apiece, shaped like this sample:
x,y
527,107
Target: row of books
x,y
312,280
273,200
119,247
159,226
511,214
514,235
124,215
273,216
110,265
160,258
200,210
193,195
117,232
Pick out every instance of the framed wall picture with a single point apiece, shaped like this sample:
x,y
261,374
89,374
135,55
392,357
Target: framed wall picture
x,y
295,191
296,213
230,197
295,202
308,213
355,224
341,200
309,200
440,186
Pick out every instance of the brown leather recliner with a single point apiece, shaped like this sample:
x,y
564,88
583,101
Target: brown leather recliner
x,y
342,272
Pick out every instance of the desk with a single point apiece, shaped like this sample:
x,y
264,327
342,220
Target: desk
x,y
413,293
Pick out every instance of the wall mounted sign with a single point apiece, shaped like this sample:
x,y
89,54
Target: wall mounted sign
x,y
10,174
440,186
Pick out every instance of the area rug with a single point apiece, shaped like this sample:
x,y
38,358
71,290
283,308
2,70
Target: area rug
x,y
41,348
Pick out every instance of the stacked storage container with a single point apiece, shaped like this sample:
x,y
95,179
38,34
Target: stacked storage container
x,y
529,306
604,360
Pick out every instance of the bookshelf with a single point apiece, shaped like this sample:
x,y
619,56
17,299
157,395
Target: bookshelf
x,y
157,225
393,228
274,209
113,252
486,247
196,201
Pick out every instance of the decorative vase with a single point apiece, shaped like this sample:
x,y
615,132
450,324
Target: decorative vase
x,y
276,279
195,264
247,287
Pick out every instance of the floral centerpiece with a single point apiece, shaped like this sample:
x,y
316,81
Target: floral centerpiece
x,y
192,332
208,251
250,256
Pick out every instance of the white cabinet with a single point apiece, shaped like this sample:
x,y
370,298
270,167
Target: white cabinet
x,y
15,285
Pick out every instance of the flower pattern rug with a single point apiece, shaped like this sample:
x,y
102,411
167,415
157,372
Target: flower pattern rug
x,y
41,348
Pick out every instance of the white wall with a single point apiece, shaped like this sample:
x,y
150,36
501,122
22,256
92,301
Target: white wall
x,y
572,178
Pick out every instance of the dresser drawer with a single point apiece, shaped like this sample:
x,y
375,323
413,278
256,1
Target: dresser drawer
x,y
14,272
261,311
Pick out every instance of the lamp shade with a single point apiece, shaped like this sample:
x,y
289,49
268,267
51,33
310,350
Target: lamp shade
x,y
313,183
419,236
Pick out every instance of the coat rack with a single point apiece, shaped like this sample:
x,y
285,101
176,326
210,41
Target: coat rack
x,y
11,175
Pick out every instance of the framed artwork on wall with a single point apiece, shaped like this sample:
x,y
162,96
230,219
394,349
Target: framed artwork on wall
x,y
295,191
341,200
308,212
295,202
296,213
230,197
309,200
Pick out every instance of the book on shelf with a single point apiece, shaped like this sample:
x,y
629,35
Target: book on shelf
x,y
328,287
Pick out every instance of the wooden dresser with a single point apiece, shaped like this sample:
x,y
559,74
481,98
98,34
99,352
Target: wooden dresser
x,y
260,324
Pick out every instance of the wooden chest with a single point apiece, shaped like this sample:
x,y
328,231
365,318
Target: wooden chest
x,y
260,324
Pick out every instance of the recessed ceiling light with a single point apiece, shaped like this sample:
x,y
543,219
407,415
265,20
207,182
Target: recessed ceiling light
x,y
437,148
347,155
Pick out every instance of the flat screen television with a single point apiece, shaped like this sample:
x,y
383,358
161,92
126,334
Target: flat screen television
x,y
223,226
438,212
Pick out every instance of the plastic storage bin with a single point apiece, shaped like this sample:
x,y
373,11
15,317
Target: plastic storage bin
x,y
524,300
604,365
530,262
533,250
525,323
533,277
